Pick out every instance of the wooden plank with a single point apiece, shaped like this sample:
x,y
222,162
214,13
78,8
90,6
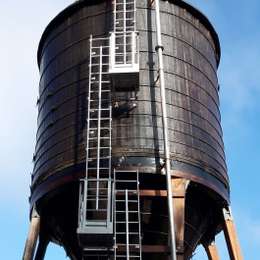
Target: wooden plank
x,y
212,251
179,187
231,236
153,193
155,249
32,238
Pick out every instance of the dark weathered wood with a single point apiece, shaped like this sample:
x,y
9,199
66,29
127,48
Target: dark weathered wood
x,y
153,193
179,187
192,52
155,249
191,90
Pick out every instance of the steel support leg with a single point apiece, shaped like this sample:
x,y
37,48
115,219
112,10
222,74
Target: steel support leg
x,y
231,236
212,251
179,187
32,237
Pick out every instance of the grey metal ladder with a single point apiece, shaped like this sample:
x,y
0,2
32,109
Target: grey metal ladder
x,y
127,219
95,209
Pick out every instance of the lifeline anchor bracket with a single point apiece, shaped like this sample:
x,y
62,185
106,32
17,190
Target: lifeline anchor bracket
x,y
227,214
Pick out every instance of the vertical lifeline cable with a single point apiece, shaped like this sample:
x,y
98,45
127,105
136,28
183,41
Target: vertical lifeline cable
x,y
159,50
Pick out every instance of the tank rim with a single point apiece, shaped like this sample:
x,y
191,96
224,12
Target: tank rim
x,y
78,4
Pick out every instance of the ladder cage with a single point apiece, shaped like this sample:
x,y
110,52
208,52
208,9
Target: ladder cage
x,y
124,52
124,40
95,202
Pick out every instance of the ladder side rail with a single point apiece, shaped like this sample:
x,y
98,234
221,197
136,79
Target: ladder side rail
x,y
114,12
127,224
139,216
85,184
110,135
124,33
115,218
99,124
89,97
135,14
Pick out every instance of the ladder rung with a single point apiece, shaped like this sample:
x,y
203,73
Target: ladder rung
x,y
130,222
121,29
98,55
92,210
105,157
102,118
102,138
97,81
100,198
130,256
102,128
98,47
131,191
131,233
132,201
100,168
97,109
102,147
137,245
97,91
96,100
105,189
97,64
125,19
98,73
125,11
129,211
126,181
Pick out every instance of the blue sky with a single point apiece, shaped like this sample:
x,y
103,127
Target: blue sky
x,y
22,23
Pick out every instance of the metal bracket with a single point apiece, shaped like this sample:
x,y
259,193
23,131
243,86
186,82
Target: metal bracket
x,y
227,214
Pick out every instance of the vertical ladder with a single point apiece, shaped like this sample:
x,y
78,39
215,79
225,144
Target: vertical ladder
x,y
95,212
127,216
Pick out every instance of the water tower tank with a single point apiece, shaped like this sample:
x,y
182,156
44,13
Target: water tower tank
x,y
69,59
